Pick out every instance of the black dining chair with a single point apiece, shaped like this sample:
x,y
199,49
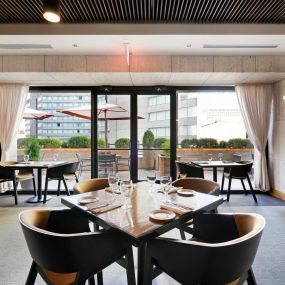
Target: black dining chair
x,y
190,170
240,172
65,252
83,163
106,162
61,173
221,251
10,175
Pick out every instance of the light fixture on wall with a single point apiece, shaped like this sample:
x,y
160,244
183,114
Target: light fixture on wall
x,y
127,51
284,97
51,10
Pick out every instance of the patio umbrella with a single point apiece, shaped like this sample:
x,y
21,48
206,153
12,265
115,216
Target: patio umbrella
x,y
106,112
32,114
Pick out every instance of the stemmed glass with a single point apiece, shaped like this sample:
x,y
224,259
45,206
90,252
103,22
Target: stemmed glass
x,y
55,156
26,158
166,182
126,189
113,180
210,156
182,175
220,156
151,180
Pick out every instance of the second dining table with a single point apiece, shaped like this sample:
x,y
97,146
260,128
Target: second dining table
x,y
135,222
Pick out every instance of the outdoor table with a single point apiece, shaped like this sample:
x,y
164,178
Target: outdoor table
x,y
215,164
135,223
39,165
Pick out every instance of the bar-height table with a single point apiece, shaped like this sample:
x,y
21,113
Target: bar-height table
x,y
39,165
215,164
135,222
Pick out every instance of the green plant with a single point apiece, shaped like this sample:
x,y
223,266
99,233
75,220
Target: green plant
x,y
65,145
158,142
79,142
189,143
122,143
223,144
50,143
148,139
33,149
239,143
208,143
23,142
166,147
101,143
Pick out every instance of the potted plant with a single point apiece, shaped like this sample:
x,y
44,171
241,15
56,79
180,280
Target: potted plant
x,y
148,154
164,158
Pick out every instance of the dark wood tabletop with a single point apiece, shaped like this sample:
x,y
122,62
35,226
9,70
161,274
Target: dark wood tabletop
x,y
215,163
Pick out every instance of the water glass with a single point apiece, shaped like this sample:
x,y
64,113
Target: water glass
x,y
26,158
165,181
220,156
182,175
151,180
126,189
210,156
55,156
113,180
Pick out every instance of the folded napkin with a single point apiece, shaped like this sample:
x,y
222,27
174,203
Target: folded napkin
x,y
171,191
176,208
99,209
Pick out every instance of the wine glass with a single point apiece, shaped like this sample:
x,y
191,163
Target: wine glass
x,y
210,156
182,175
220,156
26,158
151,180
55,156
113,180
126,189
165,181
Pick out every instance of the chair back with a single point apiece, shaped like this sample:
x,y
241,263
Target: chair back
x,y
199,185
225,257
190,169
57,172
106,159
6,173
78,156
242,170
91,185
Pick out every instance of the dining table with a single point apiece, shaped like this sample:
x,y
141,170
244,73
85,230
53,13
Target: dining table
x,y
135,223
39,166
215,164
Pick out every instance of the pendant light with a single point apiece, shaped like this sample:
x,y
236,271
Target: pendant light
x,y
51,10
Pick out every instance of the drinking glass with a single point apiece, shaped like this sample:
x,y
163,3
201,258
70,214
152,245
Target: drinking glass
x,y
210,156
55,156
165,181
126,189
113,180
151,180
220,156
182,175
26,158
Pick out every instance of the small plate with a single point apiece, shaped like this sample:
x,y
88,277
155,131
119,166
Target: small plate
x,y
186,192
162,215
84,201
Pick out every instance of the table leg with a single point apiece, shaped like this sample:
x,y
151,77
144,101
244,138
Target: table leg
x,y
39,198
141,260
215,174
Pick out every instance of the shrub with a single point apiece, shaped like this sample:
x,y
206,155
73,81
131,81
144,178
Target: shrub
x,y
189,143
239,143
208,143
122,143
101,143
166,147
33,149
158,142
65,145
148,139
23,142
50,143
79,142
223,144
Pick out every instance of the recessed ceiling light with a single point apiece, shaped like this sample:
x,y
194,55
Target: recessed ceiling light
x,y
75,45
51,11
188,45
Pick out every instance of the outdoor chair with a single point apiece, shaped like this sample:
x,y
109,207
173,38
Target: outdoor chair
x,y
190,170
10,175
65,252
84,163
91,185
240,172
198,185
61,173
107,163
221,251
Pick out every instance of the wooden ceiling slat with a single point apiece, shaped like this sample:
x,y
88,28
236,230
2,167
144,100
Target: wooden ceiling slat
x,y
148,11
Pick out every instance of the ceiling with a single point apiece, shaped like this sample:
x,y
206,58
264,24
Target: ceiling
x,y
148,11
143,44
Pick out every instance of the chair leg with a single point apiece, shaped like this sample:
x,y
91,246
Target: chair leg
x,y
251,189
100,278
76,178
148,269
251,279
65,186
58,187
243,186
32,274
15,191
34,185
182,234
229,189
130,267
222,186
46,187
91,281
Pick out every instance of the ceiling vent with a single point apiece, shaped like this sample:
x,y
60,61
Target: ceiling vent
x,y
240,46
24,46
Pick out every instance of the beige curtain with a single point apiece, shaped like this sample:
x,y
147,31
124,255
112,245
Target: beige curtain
x,y
255,104
12,103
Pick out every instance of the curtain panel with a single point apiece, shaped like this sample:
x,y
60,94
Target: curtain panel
x,y
255,103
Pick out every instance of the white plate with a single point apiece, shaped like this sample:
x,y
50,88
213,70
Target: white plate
x,y
186,192
84,201
162,215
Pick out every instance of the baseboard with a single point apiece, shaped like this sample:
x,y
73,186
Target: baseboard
x,y
277,194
